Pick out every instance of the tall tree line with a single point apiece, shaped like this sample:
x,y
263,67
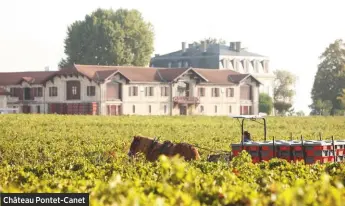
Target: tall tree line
x,y
328,92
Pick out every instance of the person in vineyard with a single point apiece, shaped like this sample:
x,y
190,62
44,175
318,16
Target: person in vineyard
x,y
246,137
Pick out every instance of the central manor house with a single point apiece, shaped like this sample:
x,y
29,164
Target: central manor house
x,y
217,56
126,90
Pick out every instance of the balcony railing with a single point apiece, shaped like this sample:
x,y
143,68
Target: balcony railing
x,y
186,100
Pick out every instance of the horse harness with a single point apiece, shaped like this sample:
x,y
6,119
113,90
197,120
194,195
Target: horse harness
x,y
164,148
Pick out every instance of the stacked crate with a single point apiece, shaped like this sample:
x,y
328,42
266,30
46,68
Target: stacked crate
x,y
297,153
310,151
284,150
251,147
318,151
267,150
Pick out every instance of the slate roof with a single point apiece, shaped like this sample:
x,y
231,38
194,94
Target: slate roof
x,y
195,57
212,50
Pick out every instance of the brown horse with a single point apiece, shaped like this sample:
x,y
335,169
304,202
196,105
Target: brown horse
x,y
152,149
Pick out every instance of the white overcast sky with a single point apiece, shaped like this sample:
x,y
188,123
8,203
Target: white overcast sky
x,y
292,33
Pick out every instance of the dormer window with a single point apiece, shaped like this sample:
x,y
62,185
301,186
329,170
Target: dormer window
x,y
255,66
243,65
233,64
179,64
186,64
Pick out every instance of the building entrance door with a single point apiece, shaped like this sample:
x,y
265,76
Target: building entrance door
x,y
183,110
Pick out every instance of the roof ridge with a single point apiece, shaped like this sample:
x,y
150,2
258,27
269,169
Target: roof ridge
x,y
160,76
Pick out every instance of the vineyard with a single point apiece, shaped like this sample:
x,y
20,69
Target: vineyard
x,y
56,153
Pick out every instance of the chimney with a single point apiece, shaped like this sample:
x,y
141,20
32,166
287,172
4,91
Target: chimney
x,y
190,46
232,46
46,68
183,46
238,46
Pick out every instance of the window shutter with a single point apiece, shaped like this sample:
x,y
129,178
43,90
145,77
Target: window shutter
x,y
129,91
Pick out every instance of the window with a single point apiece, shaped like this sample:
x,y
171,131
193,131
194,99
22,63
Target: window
x,y
165,109
169,64
215,92
28,93
255,66
245,110
13,92
201,109
149,91
91,90
74,90
38,108
246,92
230,109
149,109
215,109
243,63
113,91
38,91
133,91
236,65
133,109
201,92
226,63
230,92
53,91
164,91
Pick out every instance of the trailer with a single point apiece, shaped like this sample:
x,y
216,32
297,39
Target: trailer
x,y
310,151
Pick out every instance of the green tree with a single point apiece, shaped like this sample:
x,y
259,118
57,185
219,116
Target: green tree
x,y
283,83
330,79
282,107
265,103
341,97
108,37
321,107
283,90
